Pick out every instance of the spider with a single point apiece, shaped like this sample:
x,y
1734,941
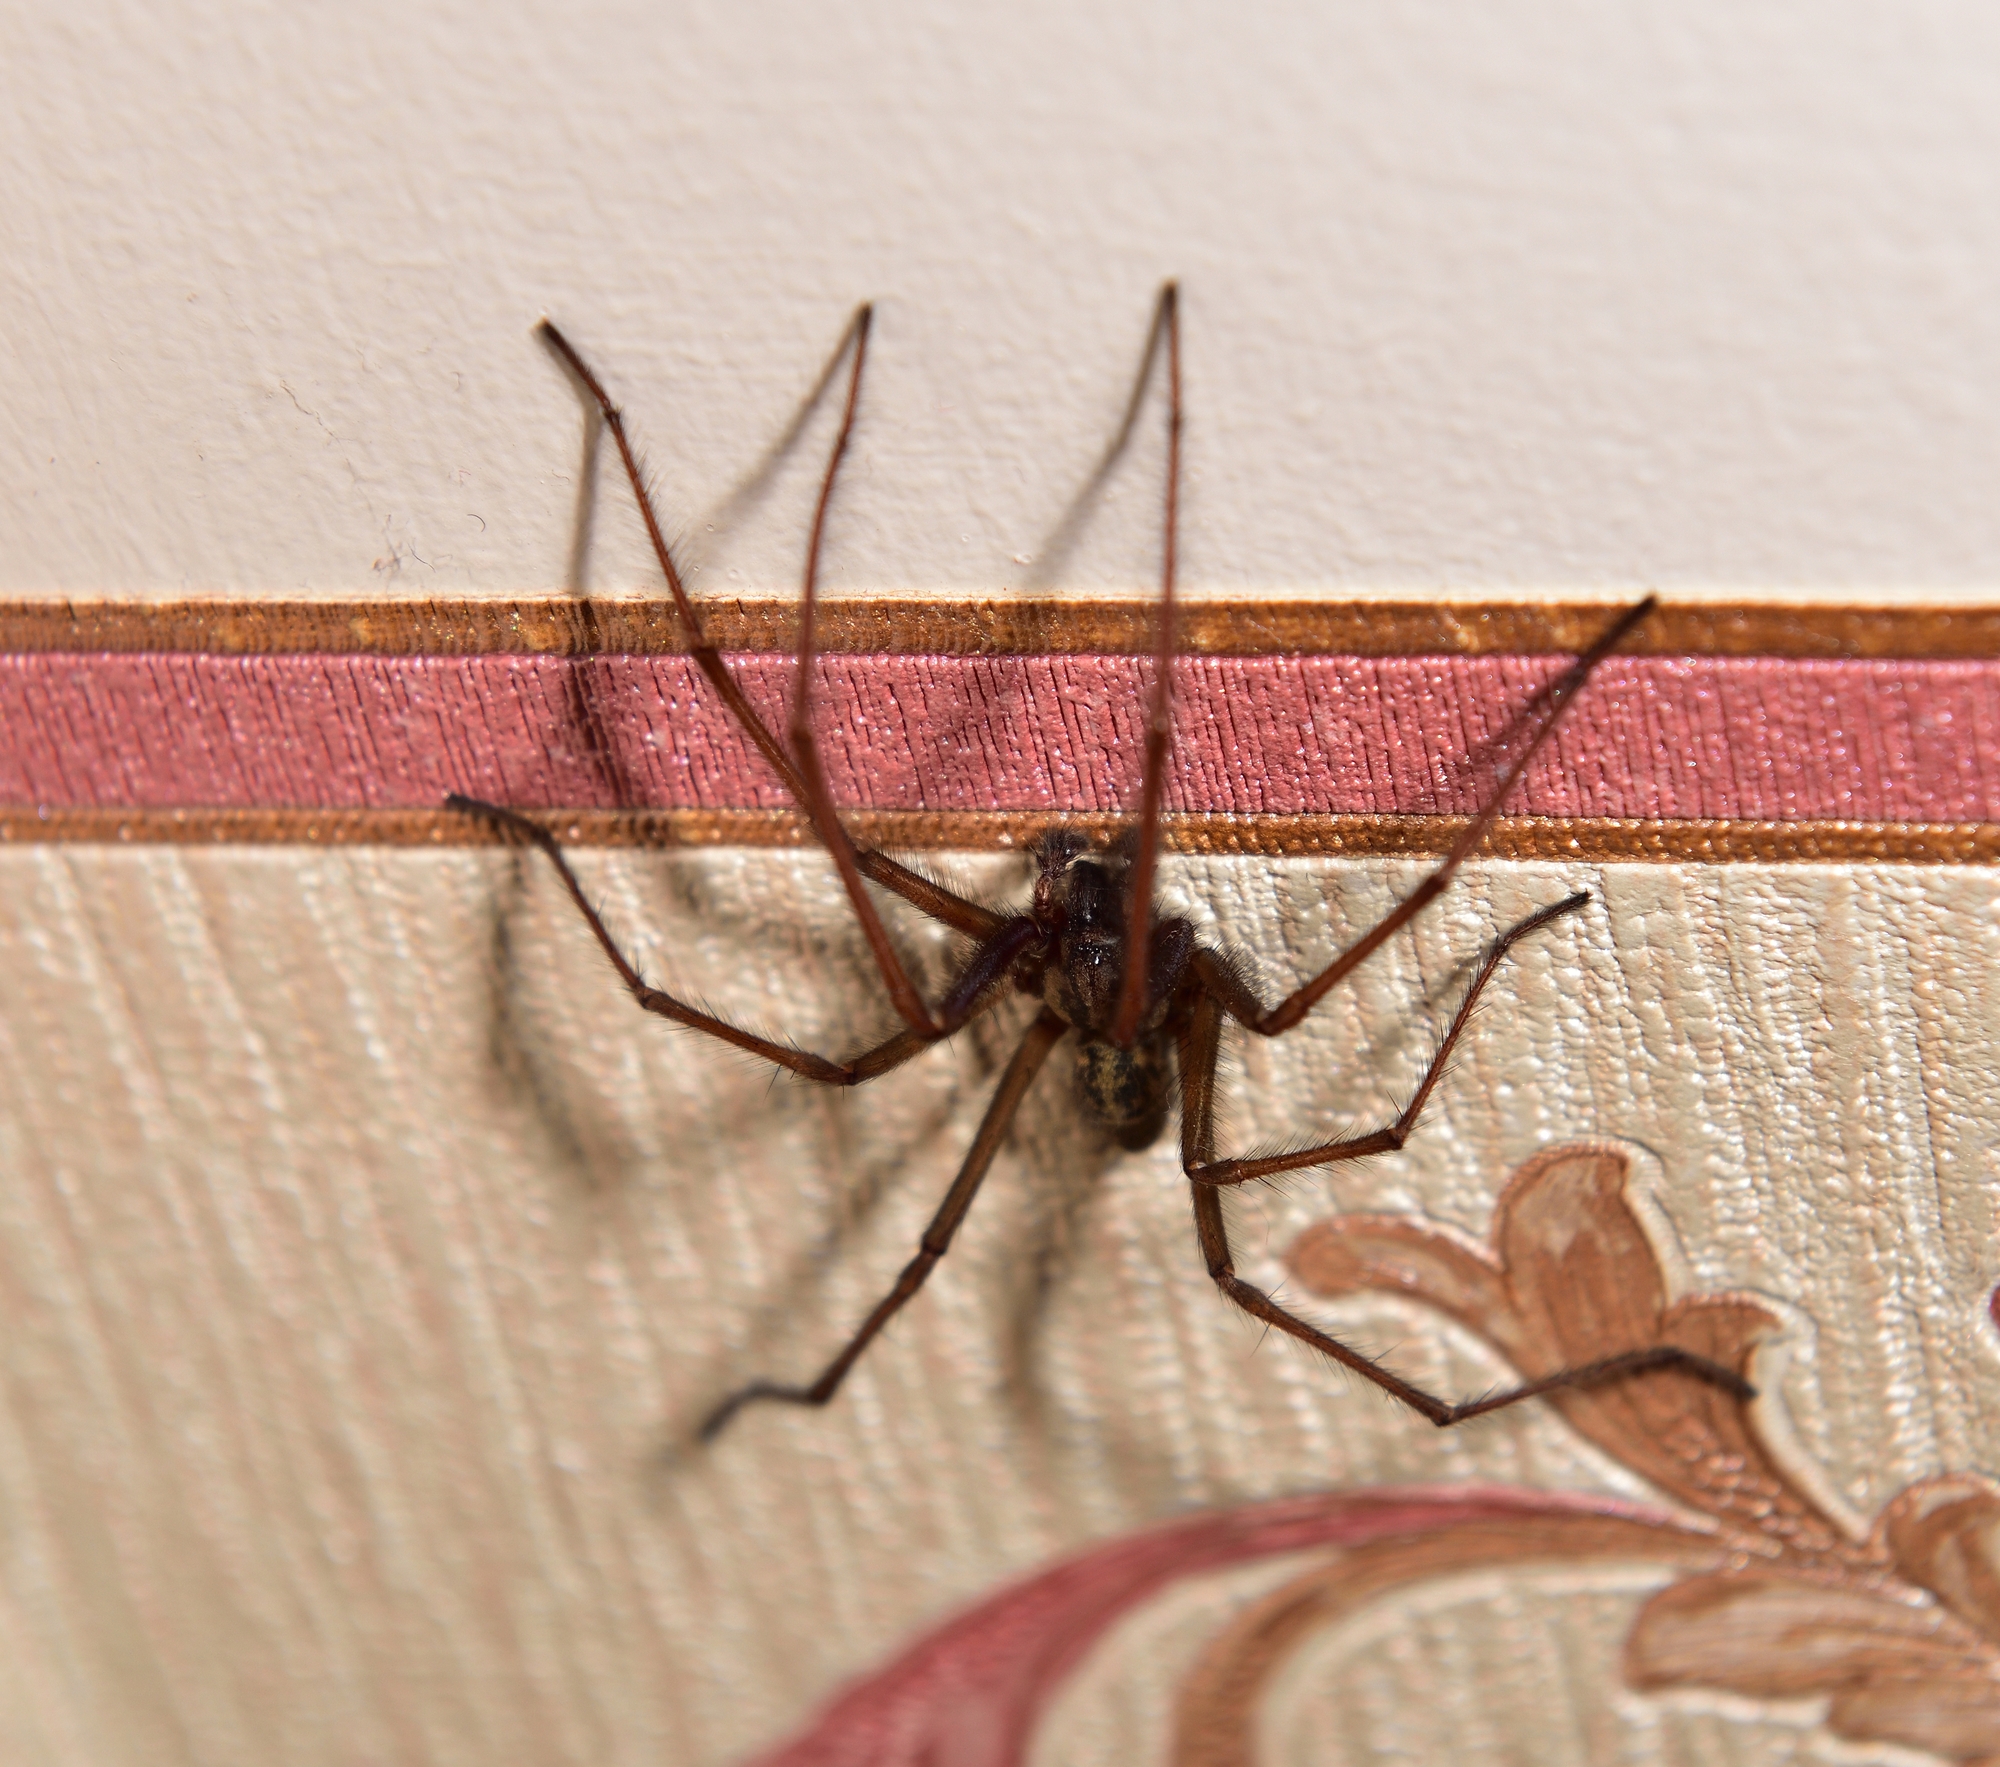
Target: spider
x,y
1142,1001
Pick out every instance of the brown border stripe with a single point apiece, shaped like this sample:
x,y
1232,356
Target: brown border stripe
x,y
1018,626
1513,837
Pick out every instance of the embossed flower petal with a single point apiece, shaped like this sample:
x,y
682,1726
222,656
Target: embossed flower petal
x,y
1698,1441
1726,1329
1581,1273
1394,1254
1958,1717
1585,1279
1898,1672
1577,1281
1575,1277
1777,1637
1945,1535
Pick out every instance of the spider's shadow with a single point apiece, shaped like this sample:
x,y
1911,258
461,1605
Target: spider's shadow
x,y
519,1074
528,980
1060,1158
1067,1159
1060,542
743,497
970,730
589,695
611,1169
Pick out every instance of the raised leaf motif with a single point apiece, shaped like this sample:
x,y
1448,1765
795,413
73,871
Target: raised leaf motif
x,y
1944,1535
1900,1631
1899,1669
1573,1278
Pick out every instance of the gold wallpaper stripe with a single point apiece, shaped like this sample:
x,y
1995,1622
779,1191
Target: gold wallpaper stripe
x,y
1513,837
1011,626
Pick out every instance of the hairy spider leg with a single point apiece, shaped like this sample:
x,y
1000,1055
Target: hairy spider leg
x,y
1200,1041
1213,988
1033,1050
1159,745
1221,990
975,990
1160,709
1219,980
1244,1007
801,775
1048,1027
1003,938
805,745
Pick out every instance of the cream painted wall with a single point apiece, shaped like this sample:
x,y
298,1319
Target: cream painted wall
x,y
1534,294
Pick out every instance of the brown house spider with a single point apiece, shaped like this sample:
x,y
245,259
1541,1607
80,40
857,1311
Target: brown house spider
x,y
1146,1001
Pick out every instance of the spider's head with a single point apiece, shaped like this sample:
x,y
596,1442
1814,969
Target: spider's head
x,y
1071,881
1080,907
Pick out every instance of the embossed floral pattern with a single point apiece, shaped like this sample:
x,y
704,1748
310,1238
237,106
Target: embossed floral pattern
x,y
1900,1629
1896,1627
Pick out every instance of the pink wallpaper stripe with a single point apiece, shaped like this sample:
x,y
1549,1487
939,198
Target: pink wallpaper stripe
x,y
1764,738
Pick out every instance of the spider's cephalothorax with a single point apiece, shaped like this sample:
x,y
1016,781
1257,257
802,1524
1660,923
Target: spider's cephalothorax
x,y
1145,1004
1079,907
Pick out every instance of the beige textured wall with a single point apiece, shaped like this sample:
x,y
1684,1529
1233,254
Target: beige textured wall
x,y
362,1290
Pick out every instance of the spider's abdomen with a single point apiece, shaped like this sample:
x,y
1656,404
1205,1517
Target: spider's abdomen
x,y
1125,1089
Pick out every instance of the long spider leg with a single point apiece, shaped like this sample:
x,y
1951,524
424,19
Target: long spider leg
x,y
1199,1041
970,994
818,800
1289,1011
707,658
930,896
1021,1070
933,899
1160,710
1220,1173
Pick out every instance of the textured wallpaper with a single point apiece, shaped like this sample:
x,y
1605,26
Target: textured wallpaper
x,y
371,1262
